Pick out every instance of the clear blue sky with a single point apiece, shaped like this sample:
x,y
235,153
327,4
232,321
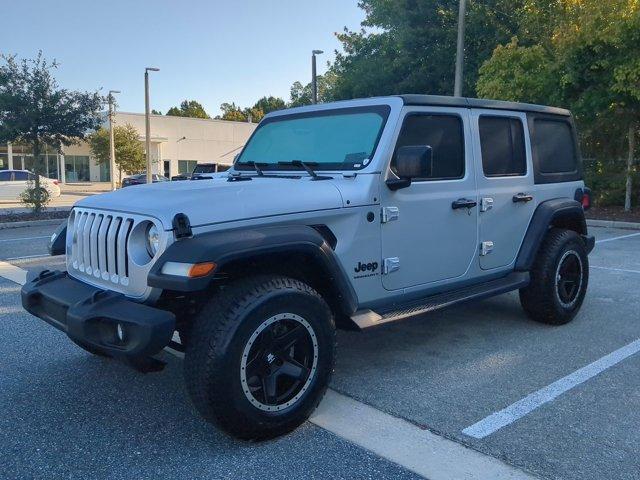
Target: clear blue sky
x,y
212,51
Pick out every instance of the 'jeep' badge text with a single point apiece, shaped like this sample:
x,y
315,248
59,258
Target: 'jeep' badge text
x,y
366,267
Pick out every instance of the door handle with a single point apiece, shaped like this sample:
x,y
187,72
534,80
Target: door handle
x,y
463,203
522,197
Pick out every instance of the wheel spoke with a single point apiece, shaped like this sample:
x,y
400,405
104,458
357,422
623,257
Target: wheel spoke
x,y
254,366
269,388
286,341
294,369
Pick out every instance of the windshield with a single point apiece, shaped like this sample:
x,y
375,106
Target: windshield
x,y
341,139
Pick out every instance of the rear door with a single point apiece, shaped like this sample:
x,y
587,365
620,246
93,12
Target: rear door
x,y
505,184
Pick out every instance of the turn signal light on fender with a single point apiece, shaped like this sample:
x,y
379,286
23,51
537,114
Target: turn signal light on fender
x,y
201,269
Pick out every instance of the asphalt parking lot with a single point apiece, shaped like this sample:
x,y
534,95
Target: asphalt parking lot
x,y
576,391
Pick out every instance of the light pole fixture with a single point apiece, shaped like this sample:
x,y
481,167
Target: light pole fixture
x,y
147,120
112,146
314,79
457,85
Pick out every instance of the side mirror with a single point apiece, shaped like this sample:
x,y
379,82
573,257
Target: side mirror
x,y
411,161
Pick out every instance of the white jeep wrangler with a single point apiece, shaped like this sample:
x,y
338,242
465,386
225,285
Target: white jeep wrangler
x,y
349,214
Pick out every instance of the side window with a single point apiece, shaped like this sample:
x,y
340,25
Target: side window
x,y
554,145
444,134
21,176
502,145
5,176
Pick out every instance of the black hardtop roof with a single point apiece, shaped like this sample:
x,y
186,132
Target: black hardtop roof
x,y
440,100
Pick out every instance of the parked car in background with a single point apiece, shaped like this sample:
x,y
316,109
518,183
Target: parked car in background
x,y
14,182
141,178
200,172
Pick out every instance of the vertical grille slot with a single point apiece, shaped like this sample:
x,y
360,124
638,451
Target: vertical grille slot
x,y
99,251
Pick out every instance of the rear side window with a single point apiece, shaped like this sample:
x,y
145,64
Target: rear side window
x,y
443,133
5,176
502,145
21,176
555,148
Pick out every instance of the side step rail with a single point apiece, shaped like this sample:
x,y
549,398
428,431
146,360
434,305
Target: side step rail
x,y
513,281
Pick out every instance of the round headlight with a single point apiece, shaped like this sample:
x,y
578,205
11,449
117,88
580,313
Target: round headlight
x,y
153,239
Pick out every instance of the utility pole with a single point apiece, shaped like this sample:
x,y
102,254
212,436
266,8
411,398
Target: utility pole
x,y
457,87
148,120
112,146
314,76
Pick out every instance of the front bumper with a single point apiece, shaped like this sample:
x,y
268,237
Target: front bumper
x,y
91,316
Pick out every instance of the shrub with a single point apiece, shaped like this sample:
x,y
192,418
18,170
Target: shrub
x,y
35,197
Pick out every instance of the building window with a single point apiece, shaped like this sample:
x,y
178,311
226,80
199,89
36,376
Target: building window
x,y
76,168
502,146
186,166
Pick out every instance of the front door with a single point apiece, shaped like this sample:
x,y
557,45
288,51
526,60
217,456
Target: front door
x,y
432,239
505,184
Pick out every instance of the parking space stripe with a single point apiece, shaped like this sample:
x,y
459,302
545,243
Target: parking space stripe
x,y
617,238
519,409
13,273
624,270
416,449
29,256
24,238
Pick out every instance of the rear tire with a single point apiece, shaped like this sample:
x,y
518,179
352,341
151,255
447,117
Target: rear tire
x,y
260,356
559,279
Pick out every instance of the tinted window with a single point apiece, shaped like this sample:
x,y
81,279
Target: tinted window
x,y
5,176
21,175
555,149
443,133
502,144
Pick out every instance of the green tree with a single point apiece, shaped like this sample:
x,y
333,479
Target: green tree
x,y
230,111
269,104
408,46
303,95
188,108
156,112
129,151
34,110
587,59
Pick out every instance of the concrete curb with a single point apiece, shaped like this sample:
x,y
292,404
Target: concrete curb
x,y
31,223
613,224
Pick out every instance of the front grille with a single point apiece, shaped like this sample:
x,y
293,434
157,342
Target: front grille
x,y
98,251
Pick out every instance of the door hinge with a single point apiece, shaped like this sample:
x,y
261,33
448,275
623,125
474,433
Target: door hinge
x,y
390,264
486,248
389,214
486,203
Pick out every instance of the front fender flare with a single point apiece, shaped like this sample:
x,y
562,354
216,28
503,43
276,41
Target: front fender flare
x,y
230,245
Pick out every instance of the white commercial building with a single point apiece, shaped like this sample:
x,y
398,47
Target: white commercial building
x,y
177,145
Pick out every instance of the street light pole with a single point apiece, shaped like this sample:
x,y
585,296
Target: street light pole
x,y
112,147
457,86
148,121
314,79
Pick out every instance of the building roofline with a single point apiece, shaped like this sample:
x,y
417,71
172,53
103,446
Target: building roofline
x,y
440,100
215,120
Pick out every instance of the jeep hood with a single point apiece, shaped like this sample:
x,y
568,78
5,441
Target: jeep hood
x,y
218,200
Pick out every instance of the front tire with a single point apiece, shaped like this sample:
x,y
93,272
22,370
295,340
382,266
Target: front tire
x,y
260,356
559,279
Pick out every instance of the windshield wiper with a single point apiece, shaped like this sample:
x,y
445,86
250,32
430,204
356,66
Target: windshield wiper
x,y
256,166
306,166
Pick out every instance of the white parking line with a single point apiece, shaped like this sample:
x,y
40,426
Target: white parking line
x,y
519,409
617,238
401,442
615,269
24,238
13,273
29,256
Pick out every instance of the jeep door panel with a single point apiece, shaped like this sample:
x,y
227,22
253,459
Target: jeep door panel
x,y
431,240
505,182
